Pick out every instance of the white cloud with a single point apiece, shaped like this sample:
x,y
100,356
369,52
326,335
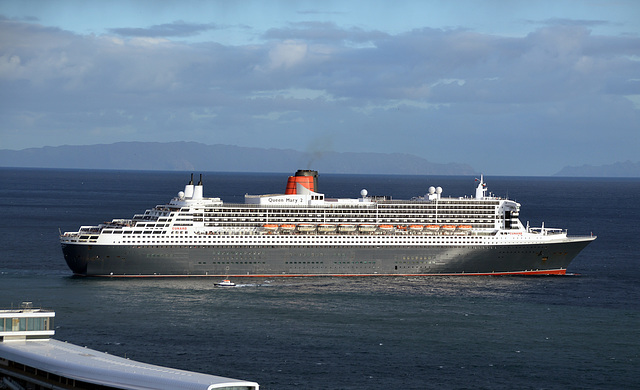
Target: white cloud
x,y
287,54
429,88
10,67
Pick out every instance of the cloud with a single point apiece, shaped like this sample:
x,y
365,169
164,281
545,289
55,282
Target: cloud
x,y
437,93
166,30
325,32
570,22
287,54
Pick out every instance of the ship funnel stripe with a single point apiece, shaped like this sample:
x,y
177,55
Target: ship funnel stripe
x,y
308,179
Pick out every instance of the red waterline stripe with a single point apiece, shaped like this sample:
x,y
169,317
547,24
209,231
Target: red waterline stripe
x,y
561,271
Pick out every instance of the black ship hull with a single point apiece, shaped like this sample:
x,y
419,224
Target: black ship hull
x,y
268,260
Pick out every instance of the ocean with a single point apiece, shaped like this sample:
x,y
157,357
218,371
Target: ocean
x,y
580,331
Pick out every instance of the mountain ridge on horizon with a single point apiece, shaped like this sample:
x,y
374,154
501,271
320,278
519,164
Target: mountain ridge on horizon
x,y
189,155
618,169
185,156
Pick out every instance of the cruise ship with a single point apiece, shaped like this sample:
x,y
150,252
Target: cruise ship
x,y
301,232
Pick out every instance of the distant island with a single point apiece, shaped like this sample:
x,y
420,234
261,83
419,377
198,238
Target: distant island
x,y
194,156
190,156
619,169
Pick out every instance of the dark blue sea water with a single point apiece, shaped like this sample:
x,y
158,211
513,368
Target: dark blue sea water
x,y
571,332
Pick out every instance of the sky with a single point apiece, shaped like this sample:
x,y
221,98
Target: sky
x,y
508,87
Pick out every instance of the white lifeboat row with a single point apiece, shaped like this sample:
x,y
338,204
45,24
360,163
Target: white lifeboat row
x,y
365,228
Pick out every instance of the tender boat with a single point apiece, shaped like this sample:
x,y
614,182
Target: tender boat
x,y
225,283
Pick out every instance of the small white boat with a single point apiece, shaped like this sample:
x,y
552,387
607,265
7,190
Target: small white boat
x,y
225,283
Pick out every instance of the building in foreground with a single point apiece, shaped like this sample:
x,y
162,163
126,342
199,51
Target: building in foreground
x,y
31,359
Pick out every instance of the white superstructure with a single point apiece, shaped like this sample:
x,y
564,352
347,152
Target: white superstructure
x,y
302,217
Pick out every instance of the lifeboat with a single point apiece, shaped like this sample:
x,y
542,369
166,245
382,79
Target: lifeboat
x,y
386,228
326,227
449,227
347,228
416,228
270,227
433,228
463,230
306,227
367,228
288,227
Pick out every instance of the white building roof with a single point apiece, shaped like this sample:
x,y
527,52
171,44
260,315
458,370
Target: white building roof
x,y
92,366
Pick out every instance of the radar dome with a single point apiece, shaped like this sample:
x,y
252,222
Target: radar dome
x,y
181,194
432,190
439,190
363,193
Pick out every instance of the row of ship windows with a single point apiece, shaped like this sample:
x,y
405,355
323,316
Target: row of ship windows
x,y
448,246
477,224
366,223
475,204
298,244
296,214
335,240
404,260
286,262
370,219
412,215
422,259
138,234
382,217
150,225
353,221
340,211
232,262
331,239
